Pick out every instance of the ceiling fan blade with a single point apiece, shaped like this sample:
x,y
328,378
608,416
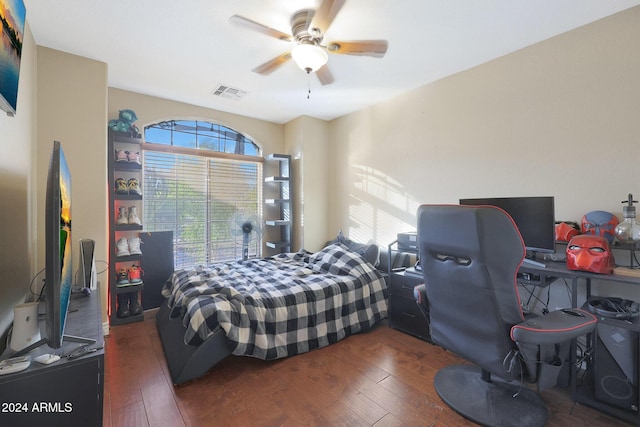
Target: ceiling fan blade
x,y
375,48
256,26
324,75
270,66
325,14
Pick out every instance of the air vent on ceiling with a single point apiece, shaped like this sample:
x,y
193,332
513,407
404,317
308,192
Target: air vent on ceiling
x,y
228,92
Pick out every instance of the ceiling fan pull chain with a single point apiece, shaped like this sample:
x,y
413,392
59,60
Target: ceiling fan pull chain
x,y
308,84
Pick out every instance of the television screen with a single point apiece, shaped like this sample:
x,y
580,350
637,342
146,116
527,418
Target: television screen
x,y
59,272
58,264
534,216
12,17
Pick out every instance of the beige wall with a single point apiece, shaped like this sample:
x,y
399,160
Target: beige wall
x,y
307,141
558,118
18,198
72,109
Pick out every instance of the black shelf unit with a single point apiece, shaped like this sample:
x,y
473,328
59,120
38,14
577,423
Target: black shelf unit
x,y
282,202
128,258
127,169
128,227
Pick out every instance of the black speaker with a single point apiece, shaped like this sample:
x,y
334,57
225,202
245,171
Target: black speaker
x,y
616,365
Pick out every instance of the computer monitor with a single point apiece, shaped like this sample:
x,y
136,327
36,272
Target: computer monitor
x,y
534,216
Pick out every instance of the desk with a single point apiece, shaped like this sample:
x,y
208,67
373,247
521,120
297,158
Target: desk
x,y
585,393
558,270
64,393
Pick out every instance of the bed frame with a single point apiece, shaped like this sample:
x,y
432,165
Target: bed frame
x,y
187,362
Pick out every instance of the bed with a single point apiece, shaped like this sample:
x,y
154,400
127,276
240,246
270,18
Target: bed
x,y
267,308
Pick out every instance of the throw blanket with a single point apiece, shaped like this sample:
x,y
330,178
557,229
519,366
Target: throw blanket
x,y
279,306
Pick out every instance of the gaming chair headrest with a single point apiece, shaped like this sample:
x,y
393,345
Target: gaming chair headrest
x,y
470,230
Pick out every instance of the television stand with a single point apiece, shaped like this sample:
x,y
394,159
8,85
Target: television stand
x,y
43,341
71,338
68,392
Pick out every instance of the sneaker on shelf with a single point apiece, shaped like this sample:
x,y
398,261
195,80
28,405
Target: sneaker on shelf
x,y
122,247
134,186
133,216
133,157
135,274
122,216
122,278
121,186
134,246
122,156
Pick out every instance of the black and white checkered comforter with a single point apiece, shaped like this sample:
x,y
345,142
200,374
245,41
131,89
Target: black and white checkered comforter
x,y
282,305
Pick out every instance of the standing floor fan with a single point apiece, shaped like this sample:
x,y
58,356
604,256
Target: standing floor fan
x,y
247,226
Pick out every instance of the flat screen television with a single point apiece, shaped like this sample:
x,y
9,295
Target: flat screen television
x,y
58,253
12,18
534,216
58,264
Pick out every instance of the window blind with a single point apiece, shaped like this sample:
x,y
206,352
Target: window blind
x,y
196,197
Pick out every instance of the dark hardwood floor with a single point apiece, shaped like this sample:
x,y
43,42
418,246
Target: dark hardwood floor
x,y
380,378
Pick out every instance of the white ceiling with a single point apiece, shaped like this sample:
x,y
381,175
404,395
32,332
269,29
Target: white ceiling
x,y
183,49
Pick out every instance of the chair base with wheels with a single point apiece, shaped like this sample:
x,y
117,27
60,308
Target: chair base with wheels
x,y
472,393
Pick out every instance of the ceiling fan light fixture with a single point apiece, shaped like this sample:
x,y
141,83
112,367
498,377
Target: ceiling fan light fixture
x,y
309,57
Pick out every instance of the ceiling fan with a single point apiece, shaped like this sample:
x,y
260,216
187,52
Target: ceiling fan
x,y
308,28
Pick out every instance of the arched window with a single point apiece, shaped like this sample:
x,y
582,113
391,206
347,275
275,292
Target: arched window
x,y
197,176
200,135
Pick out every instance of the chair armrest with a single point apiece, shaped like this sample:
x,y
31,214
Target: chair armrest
x,y
420,294
555,327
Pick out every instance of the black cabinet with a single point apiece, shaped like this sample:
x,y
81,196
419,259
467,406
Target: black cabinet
x,y
157,265
404,313
64,393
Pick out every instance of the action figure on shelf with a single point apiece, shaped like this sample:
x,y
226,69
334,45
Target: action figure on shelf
x,y
125,123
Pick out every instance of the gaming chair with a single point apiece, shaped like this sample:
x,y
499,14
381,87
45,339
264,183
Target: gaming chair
x,y
470,256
